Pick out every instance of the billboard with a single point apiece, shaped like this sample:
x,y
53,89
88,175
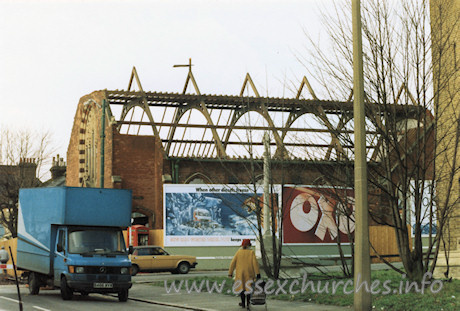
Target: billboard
x,y
209,215
317,215
427,208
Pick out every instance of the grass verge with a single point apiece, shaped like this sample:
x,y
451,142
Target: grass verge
x,y
390,290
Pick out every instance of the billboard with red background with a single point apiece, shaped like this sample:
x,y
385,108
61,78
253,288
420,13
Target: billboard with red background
x,y
317,215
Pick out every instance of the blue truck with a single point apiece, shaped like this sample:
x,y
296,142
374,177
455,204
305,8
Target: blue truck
x,y
72,238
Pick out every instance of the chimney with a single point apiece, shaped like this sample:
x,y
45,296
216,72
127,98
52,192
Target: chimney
x,y
59,167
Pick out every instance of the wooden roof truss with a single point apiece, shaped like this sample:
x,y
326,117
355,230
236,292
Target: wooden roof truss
x,y
210,126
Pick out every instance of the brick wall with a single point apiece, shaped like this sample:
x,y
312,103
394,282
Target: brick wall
x,y
445,25
139,163
242,172
75,150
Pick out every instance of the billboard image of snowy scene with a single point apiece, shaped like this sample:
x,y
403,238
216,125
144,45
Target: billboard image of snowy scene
x,y
204,215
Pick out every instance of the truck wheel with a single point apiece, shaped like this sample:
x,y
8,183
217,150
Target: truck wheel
x,y
135,270
66,291
34,283
183,268
123,295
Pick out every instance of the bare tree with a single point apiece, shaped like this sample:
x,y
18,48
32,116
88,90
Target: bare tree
x,y
282,177
23,158
405,116
269,244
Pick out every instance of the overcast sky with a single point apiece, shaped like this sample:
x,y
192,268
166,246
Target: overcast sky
x,y
54,52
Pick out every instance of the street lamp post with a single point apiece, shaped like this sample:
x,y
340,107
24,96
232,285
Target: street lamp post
x,y
362,268
103,143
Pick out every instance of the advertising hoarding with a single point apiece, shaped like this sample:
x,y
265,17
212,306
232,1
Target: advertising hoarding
x,y
317,215
209,215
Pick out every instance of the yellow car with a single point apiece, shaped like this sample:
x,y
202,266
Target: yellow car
x,y
154,259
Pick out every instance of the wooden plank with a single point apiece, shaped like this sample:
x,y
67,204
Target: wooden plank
x,y
383,239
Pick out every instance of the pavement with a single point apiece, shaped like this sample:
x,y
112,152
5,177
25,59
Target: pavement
x,y
205,301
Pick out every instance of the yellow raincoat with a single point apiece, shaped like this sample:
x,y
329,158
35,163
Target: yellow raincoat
x,y
247,268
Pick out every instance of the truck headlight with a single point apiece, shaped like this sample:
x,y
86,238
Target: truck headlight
x,y
124,270
79,270
75,269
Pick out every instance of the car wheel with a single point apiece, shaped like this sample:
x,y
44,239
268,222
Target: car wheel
x,y
34,283
183,268
66,291
123,295
135,270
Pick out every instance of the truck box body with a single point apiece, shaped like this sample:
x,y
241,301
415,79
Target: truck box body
x,y
42,210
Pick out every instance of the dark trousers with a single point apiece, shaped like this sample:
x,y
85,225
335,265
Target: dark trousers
x,y
244,299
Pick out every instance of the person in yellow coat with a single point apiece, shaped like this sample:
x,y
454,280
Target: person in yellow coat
x,y
247,269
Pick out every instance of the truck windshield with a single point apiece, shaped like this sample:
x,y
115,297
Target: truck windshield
x,y
96,241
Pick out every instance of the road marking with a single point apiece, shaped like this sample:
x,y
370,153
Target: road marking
x,y
10,299
43,309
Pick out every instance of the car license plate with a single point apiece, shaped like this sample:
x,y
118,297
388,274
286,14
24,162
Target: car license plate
x,y
103,285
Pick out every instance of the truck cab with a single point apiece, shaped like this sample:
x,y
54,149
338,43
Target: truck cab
x,y
88,259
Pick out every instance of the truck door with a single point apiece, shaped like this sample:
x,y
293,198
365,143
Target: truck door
x,y
60,253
